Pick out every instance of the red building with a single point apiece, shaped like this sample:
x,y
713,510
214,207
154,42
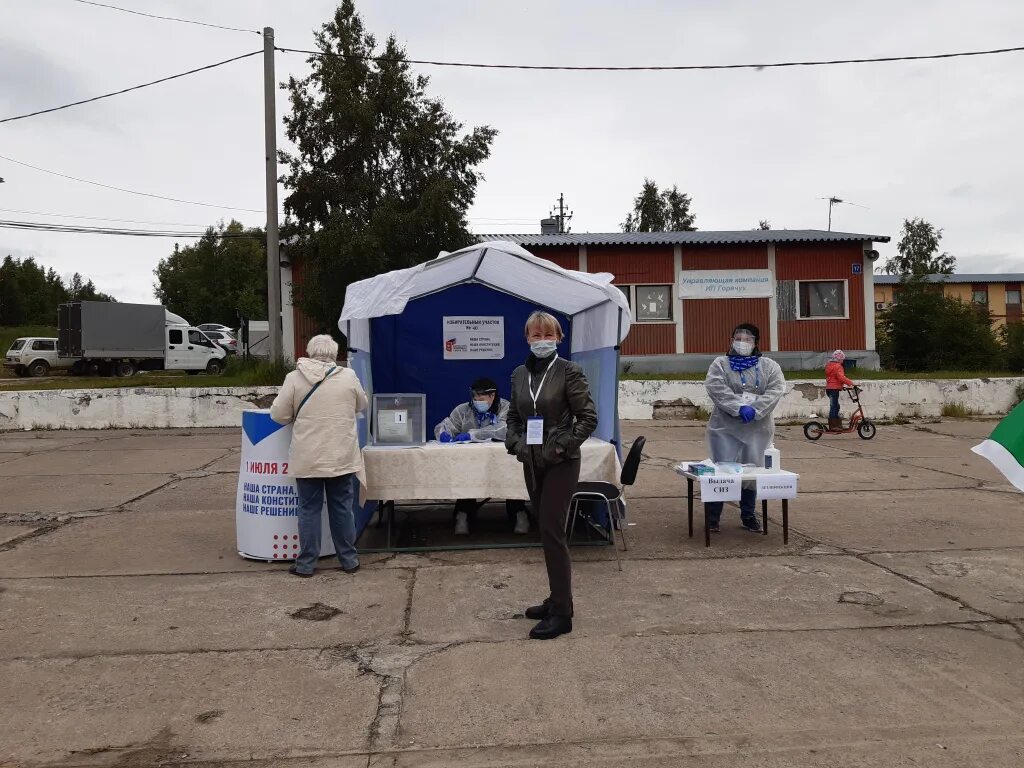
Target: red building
x,y
816,291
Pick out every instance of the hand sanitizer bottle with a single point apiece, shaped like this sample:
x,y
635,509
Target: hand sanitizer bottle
x,y
772,459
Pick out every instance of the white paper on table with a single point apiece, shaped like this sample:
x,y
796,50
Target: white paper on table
x,y
393,425
776,486
720,487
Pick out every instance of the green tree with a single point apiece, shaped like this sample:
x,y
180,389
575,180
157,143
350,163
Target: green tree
x,y
382,175
926,331
29,294
917,251
656,210
223,274
764,224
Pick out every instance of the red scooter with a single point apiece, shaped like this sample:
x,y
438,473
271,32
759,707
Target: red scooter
x,y
858,422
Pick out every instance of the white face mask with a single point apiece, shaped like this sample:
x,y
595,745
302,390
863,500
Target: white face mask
x,y
543,349
742,348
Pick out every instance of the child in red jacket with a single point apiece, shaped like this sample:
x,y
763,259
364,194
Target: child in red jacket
x,y
835,380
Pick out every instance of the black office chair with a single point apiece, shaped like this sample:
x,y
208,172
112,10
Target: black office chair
x,y
610,494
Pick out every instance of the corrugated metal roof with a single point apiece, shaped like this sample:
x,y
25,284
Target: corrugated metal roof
x,y
994,277
700,237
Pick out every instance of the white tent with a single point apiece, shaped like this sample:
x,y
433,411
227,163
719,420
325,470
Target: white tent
x,y
599,312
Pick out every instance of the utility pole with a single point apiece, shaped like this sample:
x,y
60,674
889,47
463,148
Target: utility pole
x,y
273,237
561,216
831,201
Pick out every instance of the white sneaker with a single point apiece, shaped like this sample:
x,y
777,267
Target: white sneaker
x,y
522,522
461,524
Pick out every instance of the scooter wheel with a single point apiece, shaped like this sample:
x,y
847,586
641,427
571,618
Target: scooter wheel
x,y
813,430
866,430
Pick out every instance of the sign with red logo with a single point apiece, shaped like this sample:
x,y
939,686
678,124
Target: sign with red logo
x,y
474,338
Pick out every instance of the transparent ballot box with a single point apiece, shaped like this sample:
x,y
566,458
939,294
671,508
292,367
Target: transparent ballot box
x,y
399,419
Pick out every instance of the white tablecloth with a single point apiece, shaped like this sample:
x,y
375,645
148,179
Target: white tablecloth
x,y
467,471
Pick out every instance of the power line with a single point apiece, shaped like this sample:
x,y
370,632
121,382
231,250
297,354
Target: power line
x,y
132,88
129,191
675,68
103,218
166,18
41,226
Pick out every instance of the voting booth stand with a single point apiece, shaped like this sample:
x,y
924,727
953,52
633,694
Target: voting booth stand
x,y
436,327
266,504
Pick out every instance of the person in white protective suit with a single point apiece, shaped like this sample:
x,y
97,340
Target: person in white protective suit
x,y
481,420
744,388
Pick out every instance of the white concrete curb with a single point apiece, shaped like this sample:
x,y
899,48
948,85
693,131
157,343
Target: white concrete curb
x,y
141,407
881,399
146,407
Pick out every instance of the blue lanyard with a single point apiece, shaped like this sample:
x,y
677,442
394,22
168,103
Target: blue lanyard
x,y
757,377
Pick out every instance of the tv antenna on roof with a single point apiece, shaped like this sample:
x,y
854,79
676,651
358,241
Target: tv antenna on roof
x,y
835,201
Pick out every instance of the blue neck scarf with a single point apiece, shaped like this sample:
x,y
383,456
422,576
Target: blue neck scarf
x,y
740,363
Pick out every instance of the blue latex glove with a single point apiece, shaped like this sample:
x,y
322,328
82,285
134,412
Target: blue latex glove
x,y
462,438
747,414
445,437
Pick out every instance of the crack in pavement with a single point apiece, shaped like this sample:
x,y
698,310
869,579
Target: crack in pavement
x,y
71,517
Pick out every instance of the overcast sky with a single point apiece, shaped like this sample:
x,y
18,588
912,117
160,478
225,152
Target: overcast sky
x,y
935,139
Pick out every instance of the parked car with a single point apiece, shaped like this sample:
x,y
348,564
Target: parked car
x,y
34,356
214,327
223,339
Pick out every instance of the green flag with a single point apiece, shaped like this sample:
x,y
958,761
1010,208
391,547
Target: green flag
x,y
1005,447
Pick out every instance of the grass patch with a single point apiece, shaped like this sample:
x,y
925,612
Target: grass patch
x,y
702,414
239,373
958,411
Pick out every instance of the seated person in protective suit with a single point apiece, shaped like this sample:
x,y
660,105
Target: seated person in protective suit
x,y
480,420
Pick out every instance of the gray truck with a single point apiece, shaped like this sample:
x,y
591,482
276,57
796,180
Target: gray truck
x,y
113,339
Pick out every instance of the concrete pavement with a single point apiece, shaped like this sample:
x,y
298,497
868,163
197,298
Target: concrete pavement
x,y
889,632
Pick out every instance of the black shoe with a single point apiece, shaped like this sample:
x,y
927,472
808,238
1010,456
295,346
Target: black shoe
x,y
294,570
538,612
714,528
751,524
551,627
353,569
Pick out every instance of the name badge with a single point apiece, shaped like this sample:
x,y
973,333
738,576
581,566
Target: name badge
x,y
535,431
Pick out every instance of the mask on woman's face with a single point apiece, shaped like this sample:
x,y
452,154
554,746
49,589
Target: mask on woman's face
x,y
742,348
543,348
481,406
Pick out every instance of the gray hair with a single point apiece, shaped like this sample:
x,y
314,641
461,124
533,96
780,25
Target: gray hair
x,y
323,348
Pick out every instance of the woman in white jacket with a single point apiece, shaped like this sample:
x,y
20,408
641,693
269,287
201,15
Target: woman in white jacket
x,y
323,400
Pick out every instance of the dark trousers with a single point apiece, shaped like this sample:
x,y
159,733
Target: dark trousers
x,y
833,399
550,489
342,492
748,507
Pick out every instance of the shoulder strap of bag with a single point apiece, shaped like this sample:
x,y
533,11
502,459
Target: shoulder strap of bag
x,y
310,393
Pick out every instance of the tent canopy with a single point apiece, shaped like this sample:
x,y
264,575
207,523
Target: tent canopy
x,y
599,312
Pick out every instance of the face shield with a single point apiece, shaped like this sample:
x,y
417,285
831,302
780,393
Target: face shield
x,y
743,342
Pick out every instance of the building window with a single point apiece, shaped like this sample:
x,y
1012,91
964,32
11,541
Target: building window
x,y
979,295
822,299
649,303
1013,296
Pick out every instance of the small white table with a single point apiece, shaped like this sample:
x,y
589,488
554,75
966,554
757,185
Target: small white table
x,y
749,473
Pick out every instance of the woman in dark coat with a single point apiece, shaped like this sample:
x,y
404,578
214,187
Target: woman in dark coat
x,y
551,414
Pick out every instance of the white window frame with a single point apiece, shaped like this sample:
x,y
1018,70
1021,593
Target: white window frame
x,y
630,290
846,298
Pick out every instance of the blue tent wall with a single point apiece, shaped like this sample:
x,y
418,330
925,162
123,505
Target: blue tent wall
x,y
407,350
